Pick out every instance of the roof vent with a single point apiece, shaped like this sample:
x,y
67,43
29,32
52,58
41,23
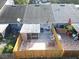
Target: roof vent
x,y
37,5
62,5
13,5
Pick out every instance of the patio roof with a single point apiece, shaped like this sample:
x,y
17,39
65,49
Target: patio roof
x,y
30,28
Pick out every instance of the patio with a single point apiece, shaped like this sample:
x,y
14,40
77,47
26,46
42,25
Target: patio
x,y
44,42
68,43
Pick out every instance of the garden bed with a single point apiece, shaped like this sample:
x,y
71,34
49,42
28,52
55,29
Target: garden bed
x,y
10,41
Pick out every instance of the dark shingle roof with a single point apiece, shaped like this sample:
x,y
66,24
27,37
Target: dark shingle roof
x,y
11,13
2,2
63,12
38,14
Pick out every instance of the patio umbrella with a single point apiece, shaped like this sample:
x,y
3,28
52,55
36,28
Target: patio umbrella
x,y
69,22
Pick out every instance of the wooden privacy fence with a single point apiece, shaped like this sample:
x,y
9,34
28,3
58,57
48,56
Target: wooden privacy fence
x,y
38,53
54,52
58,41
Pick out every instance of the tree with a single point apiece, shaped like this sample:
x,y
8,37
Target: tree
x,y
65,1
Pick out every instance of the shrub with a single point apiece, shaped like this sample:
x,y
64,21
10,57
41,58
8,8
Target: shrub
x,y
23,2
1,37
8,48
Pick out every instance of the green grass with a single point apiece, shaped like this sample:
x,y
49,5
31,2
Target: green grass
x,y
1,50
21,2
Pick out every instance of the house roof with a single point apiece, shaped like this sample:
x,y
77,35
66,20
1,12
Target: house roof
x,y
2,2
38,14
11,13
63,12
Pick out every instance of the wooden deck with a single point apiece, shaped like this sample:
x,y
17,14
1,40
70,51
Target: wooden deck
x,y
68,43
42,47
44,42
71,47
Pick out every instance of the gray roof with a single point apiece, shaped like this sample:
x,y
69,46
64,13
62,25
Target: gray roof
x,y
34,14
2,2
38,14
63,13
11,13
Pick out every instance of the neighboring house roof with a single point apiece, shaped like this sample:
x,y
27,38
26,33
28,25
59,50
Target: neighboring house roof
x,y
2,2
11,13
62,13
38,14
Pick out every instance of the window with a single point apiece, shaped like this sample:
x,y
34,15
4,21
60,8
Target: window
x,y
32,36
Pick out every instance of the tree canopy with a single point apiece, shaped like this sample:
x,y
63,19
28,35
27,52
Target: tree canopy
x,y
23,2
65,1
